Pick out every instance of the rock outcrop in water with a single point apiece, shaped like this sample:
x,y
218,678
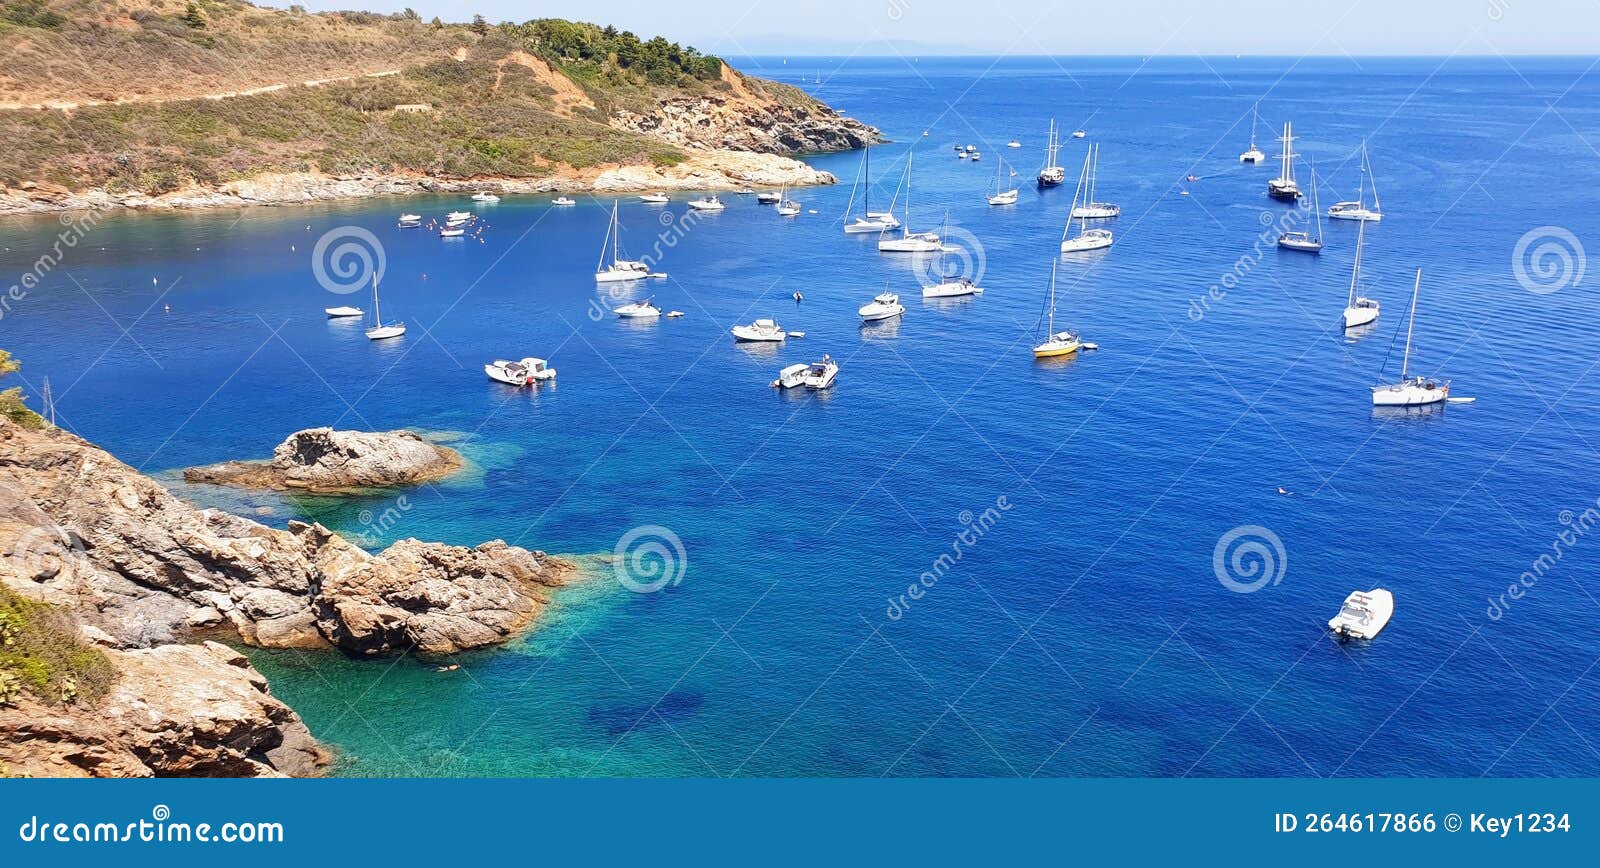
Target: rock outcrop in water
x,y
325,460
143,571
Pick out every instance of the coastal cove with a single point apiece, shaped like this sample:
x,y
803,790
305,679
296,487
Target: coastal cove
x,y
1084,631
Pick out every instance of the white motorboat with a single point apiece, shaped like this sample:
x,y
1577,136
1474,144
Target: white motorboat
x,y
1358,309
961,155
1358,210
639,310
654,198
769,197
709,203
520,373
620,269
1051,174
1284,188
563,200
458,216
379,331
972,149
1410,391
1087,239
745,191
452,231
794,375
820,375
760,331
341,312
910,242
1056,343
883,306
1254,154
1004,192
1090,209
1363,615
1300,240
976,156
870,221
1078,134
484,196
1013,144
410,221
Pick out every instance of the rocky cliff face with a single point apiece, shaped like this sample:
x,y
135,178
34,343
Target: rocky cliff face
x,y
325,460
750,115
142,570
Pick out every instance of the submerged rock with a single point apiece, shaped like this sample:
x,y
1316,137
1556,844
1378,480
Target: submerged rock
x,y
329,461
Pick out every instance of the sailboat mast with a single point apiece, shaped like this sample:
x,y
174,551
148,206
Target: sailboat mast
x,y
1355,273
1255,117
1366,160
1405,363
1316,201
866,175
377,310
1052,314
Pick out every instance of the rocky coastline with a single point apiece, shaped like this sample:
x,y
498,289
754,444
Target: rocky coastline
x,y
144,576
325,461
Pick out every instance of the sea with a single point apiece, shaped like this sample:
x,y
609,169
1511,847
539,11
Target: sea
x,y
958,561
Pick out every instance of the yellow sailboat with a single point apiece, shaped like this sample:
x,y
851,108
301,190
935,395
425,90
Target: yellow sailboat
x,y
1062,343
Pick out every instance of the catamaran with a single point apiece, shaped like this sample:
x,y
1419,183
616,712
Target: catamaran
x,y
1001,195
1062,343
1254,154
1091,209
1358,209
379,331
1283,188
619,269
870,220
1299,239
1410,391
910,242
1052,175
1358,309
1086,239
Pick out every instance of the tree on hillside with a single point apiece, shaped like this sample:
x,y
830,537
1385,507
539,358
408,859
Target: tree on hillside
x,y
193,17
11,406
480,26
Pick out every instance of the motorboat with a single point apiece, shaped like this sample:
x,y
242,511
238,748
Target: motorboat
x,y
519,373
563,200
1363,615
654,198
1253,154
976,156
458,216
639,310
342,312
820,375
793,375
1358,210
1052,174
452,231
869,221
760,331
1078,134
484,196
883,306
769,197
745,191
709,203
1410,391
1358,309
410,221
1090,209
1284,188
379,331
1013,144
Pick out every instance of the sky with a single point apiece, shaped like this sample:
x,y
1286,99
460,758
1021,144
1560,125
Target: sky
x,y
1137,27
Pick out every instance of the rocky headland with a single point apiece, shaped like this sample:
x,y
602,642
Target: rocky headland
x,y
322,460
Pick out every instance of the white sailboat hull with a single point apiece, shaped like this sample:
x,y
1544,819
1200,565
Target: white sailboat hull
x,y
1252,156
1344,211
385,332
951,289
1009,197
1415,393
1096,211
923,242
875,224
1359,316
1093,239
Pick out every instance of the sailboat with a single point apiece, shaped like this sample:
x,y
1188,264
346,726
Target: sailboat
x,y
619,269
1090,208
1002,196
379,331
1052,175
949,287
787,207
1410,391
1358,309
1299,239
1283,188
1254,154
910,242
1086,239
1358,209
1062,343
870,220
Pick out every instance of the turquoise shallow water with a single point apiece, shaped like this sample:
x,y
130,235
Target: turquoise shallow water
x,y
1086,632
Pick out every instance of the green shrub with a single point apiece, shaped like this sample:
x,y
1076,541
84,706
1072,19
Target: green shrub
x,y
42,654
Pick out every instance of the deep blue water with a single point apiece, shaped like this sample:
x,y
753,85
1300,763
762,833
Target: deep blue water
x,y
1086,632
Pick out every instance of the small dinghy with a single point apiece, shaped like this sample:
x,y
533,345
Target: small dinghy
x,y
788,378
341,312
1364,615
521,373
